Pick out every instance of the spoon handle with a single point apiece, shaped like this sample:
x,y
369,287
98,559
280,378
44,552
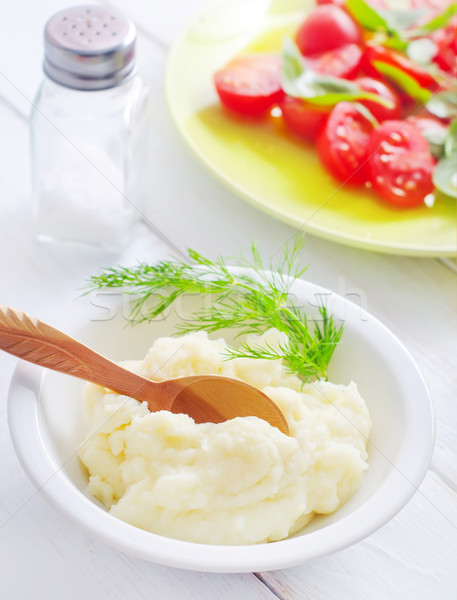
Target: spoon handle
x,y
30,339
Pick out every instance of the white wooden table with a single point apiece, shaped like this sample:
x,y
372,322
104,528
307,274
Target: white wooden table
x,y
42,554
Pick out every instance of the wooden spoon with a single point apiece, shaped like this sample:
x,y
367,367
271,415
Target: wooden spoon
x,y
205,398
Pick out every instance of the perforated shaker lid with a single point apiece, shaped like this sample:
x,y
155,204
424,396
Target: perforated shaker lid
x,y
89,47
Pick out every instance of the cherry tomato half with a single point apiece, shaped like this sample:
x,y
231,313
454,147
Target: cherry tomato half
x,y
342,62
327,27
250,84
343,142
303,118
342,3
446,41
381,113
335,2
400,164
375,54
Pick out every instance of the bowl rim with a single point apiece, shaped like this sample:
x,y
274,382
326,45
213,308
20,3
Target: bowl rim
x,y
394,492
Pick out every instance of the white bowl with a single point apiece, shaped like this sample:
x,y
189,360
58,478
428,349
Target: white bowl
x,y
47,425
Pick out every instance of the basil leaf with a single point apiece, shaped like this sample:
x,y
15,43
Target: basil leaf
x,y
450,143
441,20
445,176
445,173
293,63
406,82
396,43
443,105
392,21
300,81
367,16
436,138
436,23
329,99
397,20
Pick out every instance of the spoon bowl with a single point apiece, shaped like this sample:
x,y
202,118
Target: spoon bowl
x,y
205,398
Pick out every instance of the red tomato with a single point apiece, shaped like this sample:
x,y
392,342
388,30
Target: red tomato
x,y
342,62
335,2
326,28
343,142
250,84
303,118
373,54
375,3
446,40
381,113
400,165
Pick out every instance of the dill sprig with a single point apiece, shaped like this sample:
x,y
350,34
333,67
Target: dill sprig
x,y
250,301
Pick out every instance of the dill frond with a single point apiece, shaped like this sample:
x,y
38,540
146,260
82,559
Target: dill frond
x,y
249,301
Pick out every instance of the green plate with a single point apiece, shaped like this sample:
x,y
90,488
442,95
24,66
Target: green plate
x,y
267,166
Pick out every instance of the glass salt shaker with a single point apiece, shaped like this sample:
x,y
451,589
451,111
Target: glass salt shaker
x,y
88,130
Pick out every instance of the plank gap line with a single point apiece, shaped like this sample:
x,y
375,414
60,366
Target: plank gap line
x,y
444,478
10,106
263,578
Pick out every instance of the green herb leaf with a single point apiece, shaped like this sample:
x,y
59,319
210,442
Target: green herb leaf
x,y
445,176
367,16
398,20
436,138
437,22
301,82
249,302
443,105
441,140
396,43
330,99
398,24
445,173
441,20
450,143
293,63
391,21
406,82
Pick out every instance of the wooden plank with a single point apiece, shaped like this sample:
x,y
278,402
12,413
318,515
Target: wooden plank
x,y
413,556
55,556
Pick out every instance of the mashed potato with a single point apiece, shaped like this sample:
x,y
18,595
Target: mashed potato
x,y
238,482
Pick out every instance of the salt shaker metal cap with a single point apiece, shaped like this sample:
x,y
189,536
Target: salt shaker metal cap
x,y
89,47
